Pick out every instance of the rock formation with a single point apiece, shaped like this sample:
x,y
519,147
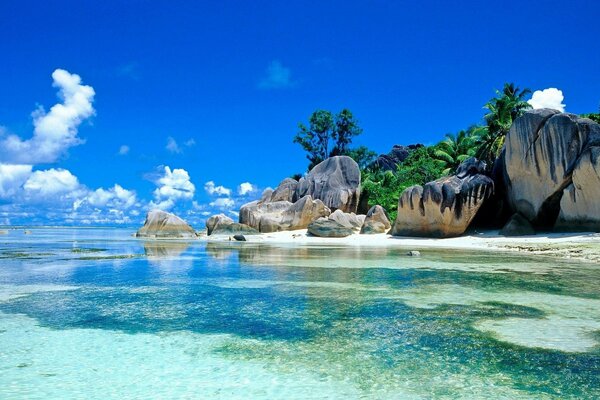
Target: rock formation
x,y
445,207
551,171
335,181
376,221
215,220
163,225
517,225
325,227
286,191
282,215
233,229
348,220
390,161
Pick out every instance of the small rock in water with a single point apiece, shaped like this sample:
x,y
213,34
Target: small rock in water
x,y
239,238
27,232
414,253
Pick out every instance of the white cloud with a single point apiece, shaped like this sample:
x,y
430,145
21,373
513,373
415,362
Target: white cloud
x,y
173,186
246,188
115,197
222,203
51,182
12,177
190,142
172,146
56,131
276,77
123,150
548,98
216,190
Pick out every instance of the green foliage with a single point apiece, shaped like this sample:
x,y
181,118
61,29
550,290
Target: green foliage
x,y
315,138
503,109
455,149
593,116
362,155
384,188
326,131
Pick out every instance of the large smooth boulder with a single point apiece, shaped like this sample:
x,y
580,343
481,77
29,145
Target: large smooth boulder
x,y
282,215
349,220
445,207
285,191
580,203
234,229
376,221
391,160
550,165
517,225
325,227
215,220
335,181
164,225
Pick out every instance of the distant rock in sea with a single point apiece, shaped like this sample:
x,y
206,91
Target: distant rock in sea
x,y
164,225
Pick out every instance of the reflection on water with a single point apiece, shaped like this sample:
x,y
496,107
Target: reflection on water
x,y
286,322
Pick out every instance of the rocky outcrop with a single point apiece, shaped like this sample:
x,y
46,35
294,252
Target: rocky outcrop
x,y
517,225
233,229
445,207
325,227
282,215
215,220
550,170
335,181
163,225
376,221
390,161
286,191
580,203
348,220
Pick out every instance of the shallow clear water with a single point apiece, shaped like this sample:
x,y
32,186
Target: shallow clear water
x,y
97,314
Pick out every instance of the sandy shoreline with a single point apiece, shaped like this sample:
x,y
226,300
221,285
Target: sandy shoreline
x,y
576,246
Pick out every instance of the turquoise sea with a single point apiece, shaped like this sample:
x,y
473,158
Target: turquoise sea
x,y
98,314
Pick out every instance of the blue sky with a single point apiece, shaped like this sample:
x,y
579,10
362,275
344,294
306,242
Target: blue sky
x,y
185,94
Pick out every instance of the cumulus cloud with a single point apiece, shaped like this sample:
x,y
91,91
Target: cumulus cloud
x,y
123,150
276,77
115,198
246,188
12,177
222,203
51,182
55,131
548,98
212,189
173,186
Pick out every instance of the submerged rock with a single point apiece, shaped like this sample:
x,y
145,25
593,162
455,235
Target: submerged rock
x,y
215,220
239,238
551,170
517,225
325,227
164,225
335,181
376,221
445,207
414,253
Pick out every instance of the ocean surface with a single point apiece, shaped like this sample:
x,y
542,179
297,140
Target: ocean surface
x,y
98,314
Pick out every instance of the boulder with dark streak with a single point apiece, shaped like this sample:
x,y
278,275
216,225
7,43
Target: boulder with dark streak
x,y
551,171
376,221
445,207
215,220
325,227
335,181
390,161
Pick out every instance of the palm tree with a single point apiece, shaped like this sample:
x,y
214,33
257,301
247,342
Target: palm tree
x,y
455,149
503,109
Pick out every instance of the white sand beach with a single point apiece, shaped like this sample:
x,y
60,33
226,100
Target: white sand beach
x,y
576,246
